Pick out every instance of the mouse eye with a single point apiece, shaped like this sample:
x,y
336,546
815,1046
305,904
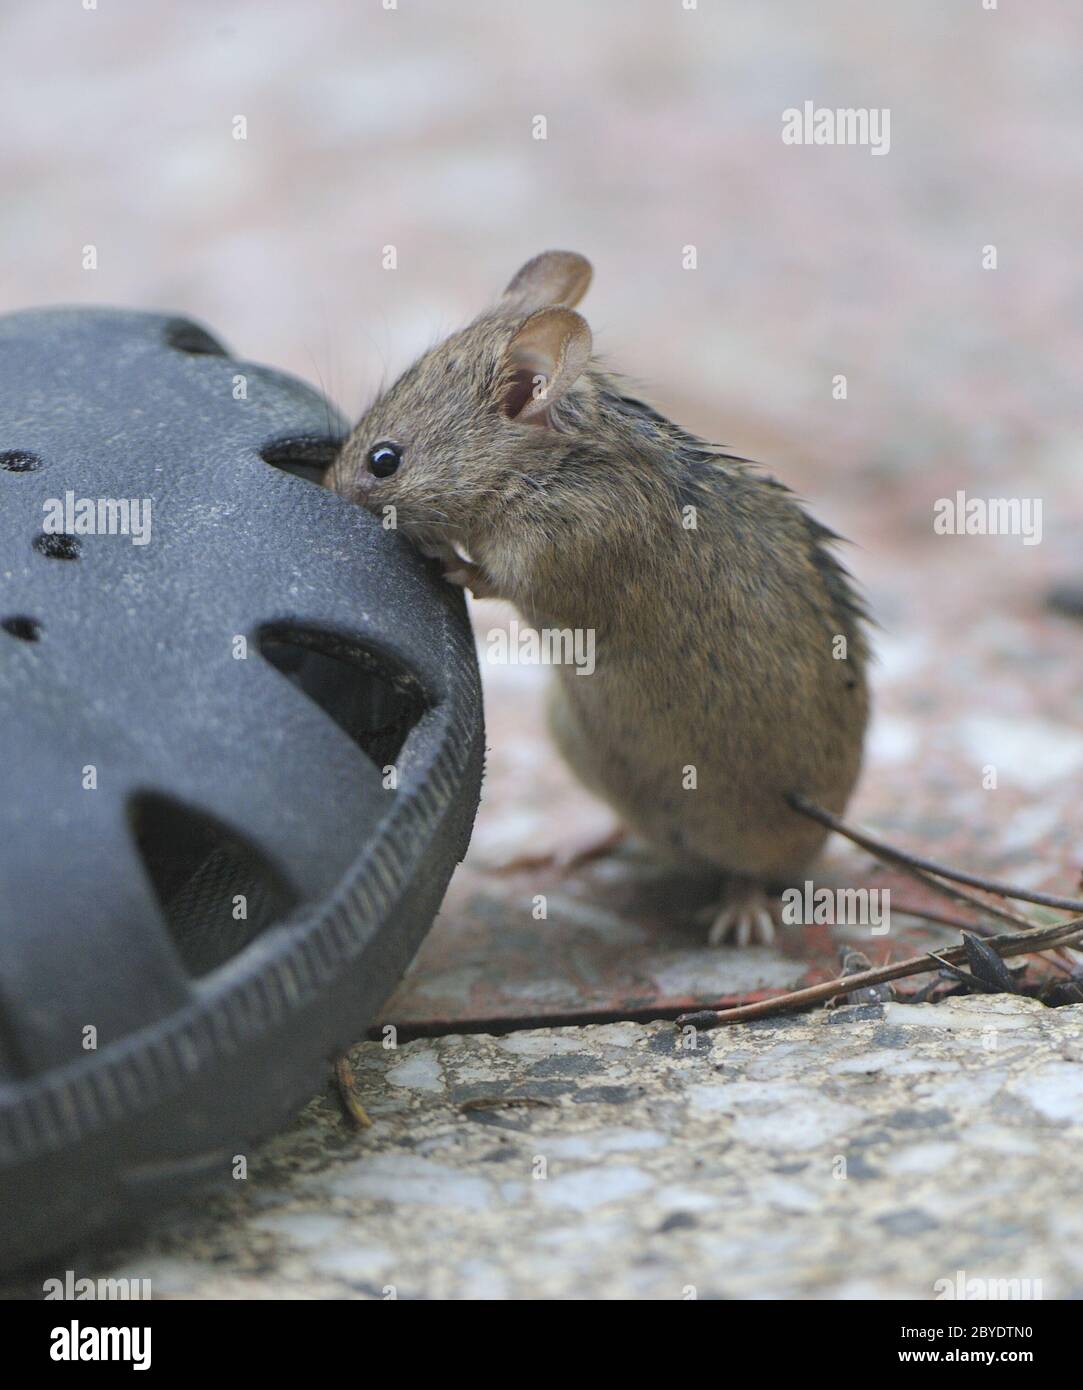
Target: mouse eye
x,y
384,459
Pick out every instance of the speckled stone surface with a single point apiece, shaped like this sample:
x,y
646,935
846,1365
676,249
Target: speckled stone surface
x,y
858,1152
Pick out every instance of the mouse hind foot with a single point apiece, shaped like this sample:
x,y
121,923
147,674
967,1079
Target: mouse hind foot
x,y
747,916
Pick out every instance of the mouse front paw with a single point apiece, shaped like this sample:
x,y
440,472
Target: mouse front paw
x,y
471,577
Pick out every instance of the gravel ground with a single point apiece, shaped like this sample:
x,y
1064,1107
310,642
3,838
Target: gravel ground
x,y
863,1152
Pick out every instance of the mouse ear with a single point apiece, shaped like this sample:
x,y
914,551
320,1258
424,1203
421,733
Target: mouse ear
x,y
542,361
554,277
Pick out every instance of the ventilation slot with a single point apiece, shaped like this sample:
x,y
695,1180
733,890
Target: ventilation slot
x,y
184,336
309,457
201,872
372,700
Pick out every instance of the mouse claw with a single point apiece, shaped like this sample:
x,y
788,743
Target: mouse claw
x,y
744,921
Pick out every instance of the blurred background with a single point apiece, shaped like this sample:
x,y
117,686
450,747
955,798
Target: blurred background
x,y
413,127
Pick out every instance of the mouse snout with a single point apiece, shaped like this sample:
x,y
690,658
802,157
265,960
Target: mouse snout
x,y
361,484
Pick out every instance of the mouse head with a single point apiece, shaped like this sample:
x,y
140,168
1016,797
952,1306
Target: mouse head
x,y
451,441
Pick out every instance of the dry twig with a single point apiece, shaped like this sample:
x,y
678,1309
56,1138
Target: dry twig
x,y
1006,944
349,1094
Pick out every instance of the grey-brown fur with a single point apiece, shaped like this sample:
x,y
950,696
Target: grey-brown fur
x,y
714,645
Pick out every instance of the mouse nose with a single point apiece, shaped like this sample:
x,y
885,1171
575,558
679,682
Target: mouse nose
x,y
361,484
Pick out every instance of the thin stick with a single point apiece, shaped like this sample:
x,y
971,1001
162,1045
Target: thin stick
x,y
912,861
960,895
349,1094
1007,944
942,919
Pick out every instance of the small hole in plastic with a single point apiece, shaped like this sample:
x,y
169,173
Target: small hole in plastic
x,y
189,337
309,457
26,629
19,461
60,546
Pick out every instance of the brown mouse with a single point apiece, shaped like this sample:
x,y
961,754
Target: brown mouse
x,y
730,645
